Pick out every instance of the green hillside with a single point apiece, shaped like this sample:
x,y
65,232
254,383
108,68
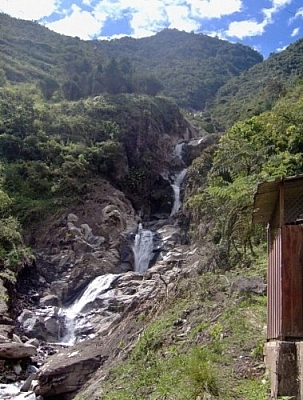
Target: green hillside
x,y
188,67
192,67
259,88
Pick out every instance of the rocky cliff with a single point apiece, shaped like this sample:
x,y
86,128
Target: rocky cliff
x,y
94,237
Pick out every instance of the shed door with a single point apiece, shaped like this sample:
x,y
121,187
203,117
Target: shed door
x,y
292,281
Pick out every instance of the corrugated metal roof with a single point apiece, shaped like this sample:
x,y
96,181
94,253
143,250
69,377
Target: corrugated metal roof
x,y
267,195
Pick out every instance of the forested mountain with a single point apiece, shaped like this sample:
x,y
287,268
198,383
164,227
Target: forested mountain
x,y
260,87
31,52
188,67
192,67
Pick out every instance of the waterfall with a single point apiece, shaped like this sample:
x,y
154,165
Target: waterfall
x,y
179,150
97,287
143,249
176,185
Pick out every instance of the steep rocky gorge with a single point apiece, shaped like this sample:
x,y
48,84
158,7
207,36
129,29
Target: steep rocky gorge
x,y
91,239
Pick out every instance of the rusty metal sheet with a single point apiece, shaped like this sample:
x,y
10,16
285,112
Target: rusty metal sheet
x,y
292,281
280,203
285,284
274,286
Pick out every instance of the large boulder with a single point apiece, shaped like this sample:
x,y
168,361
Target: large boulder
x,y
45,324
16,350
68,371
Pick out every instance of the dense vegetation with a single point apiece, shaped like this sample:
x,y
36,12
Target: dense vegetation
x,y
70,68
261,148
64,67
259,88
198,64
51,150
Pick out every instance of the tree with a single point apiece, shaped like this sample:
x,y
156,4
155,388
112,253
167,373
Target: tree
x,y
114,81
48,86
71,89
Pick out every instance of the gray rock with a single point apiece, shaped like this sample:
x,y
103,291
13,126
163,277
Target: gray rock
x,y
60,288
44,325
17,369
31,323
72,218
33,342
68,371
74,230
250,285
27,384
27,396
16,350
50,300
16,338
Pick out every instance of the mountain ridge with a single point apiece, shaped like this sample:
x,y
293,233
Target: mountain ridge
x,y
190,66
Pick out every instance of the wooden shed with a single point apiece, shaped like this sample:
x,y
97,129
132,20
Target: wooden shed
x,y
279,204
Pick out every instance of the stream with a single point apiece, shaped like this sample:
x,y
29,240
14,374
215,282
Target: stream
x,y
108,294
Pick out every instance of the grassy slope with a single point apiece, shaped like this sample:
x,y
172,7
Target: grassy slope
x,y
203,342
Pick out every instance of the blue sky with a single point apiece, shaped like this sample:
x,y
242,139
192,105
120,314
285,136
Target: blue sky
x,y
267,25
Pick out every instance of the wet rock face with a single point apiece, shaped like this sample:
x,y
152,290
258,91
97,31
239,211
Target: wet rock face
x,y
91,241
197,145
85,244
108,318
43,324
47,322
113,320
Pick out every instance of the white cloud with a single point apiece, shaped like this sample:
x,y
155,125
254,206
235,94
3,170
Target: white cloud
x,y
178,17
28,9
280,3
277,5
79,23
213,8
248,28
242,29
299,13
295,32
149,16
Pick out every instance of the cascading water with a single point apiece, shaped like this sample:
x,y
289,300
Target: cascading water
x,y
143,249
176,179
98,287
176,185
179,150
